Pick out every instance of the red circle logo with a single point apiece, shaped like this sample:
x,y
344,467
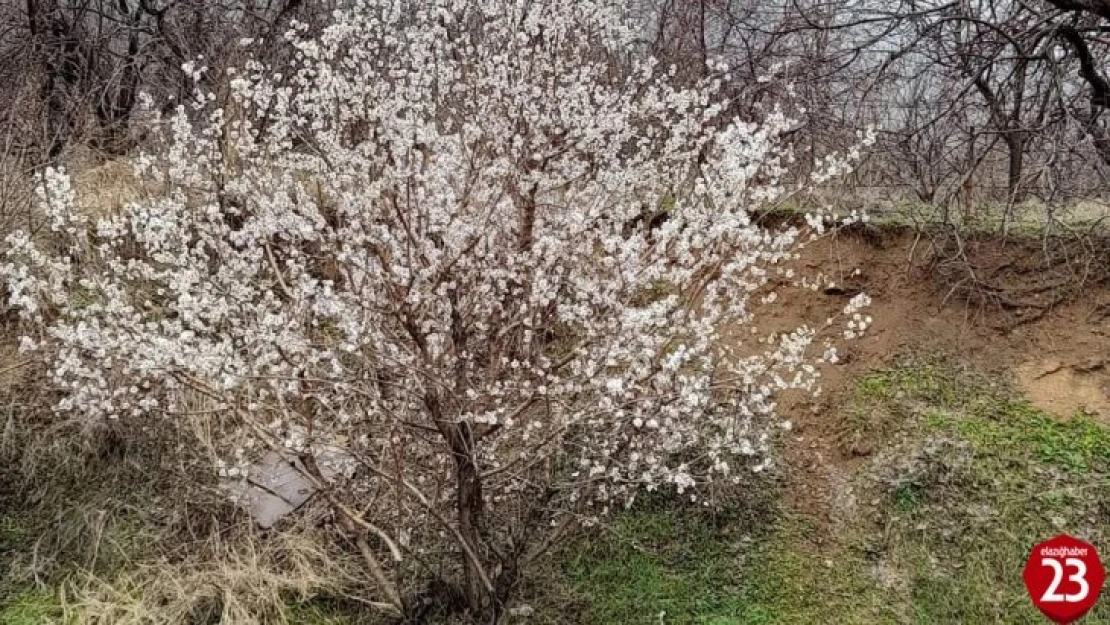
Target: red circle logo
x,y
1064,577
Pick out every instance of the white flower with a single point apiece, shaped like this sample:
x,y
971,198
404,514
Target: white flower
x,y
432,241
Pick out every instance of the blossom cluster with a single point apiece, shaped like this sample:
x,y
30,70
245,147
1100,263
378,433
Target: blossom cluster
x,y
442,226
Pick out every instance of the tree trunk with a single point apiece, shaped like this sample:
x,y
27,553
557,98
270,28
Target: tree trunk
x,y
469,504
462,442
1015,144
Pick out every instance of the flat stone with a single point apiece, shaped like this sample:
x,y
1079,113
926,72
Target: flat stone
x,y
277,487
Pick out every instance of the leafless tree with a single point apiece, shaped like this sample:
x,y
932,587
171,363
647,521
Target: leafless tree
x,y
1001,96
86,61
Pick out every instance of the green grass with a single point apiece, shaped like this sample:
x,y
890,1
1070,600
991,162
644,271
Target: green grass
x,y
73,506
1027,219
974,478
659,562
659,565
960,479
1056,226
793,578
32,608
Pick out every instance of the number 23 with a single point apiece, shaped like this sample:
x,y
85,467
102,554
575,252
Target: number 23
x,y
1079,577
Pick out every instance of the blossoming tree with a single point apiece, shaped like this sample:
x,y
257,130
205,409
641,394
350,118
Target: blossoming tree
x,y
432,246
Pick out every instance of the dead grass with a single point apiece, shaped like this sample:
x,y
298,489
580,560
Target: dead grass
x,y
124,524
109,536
105,188
245,579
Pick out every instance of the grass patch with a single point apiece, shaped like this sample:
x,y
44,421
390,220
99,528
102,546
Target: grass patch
x,y
660,565
960,479
128,531
33,608
73,508
1028,219
667,565
974,477
793,578
663,561
319,613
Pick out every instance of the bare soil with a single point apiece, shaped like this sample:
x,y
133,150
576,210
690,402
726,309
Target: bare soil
x,y
1009,308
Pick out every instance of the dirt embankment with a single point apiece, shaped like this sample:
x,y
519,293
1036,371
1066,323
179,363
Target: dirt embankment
x,y
1038,318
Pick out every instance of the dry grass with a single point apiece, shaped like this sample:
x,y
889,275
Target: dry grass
x,y
115,533
124,523
102,186
107,187
245,579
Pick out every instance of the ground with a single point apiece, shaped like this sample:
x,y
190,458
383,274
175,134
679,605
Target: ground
x,y
971,422
932,526
955,436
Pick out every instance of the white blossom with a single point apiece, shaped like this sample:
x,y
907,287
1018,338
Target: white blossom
x,y
426,233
